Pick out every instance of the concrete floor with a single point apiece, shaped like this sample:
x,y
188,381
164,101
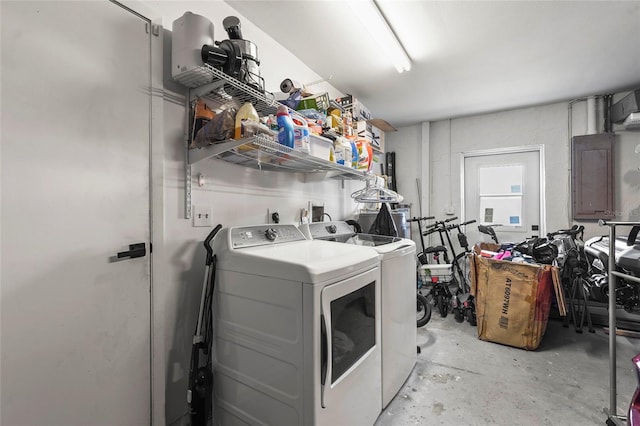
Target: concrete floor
x,y
460,380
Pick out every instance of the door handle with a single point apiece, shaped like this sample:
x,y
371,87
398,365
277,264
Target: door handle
x,y
135,250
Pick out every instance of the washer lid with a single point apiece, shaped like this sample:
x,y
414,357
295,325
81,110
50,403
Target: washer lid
x,y
385,245
327,230
342,232
308,261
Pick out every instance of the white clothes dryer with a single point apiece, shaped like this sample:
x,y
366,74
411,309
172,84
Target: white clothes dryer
x,y
398,297
296,329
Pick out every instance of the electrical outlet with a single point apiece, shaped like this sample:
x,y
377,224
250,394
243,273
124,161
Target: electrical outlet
x,y
304,216
273,216
201,216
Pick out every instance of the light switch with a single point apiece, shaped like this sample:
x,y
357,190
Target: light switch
x,y
201,216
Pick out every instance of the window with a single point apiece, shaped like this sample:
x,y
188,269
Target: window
x,y
501,194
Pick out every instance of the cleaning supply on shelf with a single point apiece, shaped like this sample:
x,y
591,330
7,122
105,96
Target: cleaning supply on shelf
x,y
271,122
301,140
355,157
332,155
246,112
285,127
365,155
342,151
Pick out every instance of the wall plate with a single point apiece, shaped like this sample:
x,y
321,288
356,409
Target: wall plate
x,y
201,216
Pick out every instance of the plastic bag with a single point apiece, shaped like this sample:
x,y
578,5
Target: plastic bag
x,y
383,223
220,128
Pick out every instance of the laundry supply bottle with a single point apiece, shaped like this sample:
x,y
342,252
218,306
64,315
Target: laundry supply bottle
x,y
355,157
246,112
365,155
342,150
332,155
301,138
285,127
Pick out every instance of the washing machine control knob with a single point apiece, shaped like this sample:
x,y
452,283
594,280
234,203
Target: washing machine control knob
x,y
271,234
332,229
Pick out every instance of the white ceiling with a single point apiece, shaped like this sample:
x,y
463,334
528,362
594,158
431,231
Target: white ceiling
x,y
468,57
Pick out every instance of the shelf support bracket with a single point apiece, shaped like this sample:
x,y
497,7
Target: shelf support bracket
x,y
187,163
205,89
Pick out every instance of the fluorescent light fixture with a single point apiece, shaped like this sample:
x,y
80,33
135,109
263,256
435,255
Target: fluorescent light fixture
x,y
372,19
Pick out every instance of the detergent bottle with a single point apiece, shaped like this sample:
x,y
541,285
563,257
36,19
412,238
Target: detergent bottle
x,y
365,155
246,112
332,155
342,151
285,127
355,157
301,138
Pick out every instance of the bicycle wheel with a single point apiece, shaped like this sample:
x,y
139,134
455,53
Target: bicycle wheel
x,y
463,275
423,313
443,305
458,314
471,317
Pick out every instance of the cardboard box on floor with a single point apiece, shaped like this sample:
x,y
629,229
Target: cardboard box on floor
x,y
513,300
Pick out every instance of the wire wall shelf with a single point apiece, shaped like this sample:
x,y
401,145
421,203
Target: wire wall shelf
x,y
263,153
260,152
226,91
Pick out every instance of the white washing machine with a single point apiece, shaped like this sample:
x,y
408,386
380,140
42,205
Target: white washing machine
x,y
398,297
296,330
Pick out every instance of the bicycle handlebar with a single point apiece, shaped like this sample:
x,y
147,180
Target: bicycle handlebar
x,y
431,231
575,230
469,222
440,225
418,219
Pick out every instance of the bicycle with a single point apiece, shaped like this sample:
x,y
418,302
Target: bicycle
x,y
423,307
574,268
423,312
462,305
439,277
422,257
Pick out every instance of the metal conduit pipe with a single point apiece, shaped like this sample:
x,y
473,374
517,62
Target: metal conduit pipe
x,y
592,113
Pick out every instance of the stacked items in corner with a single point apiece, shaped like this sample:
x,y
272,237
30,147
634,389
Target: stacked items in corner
x,y
513,299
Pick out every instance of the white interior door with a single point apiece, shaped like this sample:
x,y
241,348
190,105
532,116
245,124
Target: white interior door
x,y
503,187
75,191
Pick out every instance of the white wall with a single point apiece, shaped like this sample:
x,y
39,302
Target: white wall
x,y
411,145
236,195
546,125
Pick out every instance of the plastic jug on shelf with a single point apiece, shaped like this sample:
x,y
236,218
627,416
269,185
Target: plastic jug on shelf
x,y
285,127
355,155
301,138
246,112
343,151
365,155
